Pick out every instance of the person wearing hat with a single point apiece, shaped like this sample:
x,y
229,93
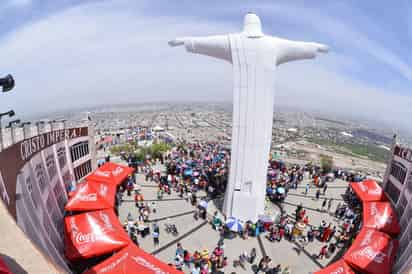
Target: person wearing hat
x,y
204,254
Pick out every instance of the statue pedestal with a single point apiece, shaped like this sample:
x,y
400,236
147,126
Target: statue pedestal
x,y
246,206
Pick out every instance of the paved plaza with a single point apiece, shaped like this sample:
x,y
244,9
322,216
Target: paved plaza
x,y
199,234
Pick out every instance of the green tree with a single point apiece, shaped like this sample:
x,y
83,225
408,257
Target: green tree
x,y
126,148
326,163
157,150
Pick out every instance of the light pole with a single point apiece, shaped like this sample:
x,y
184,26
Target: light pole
x,y
9,113
7,83
23,125
38,126
11,126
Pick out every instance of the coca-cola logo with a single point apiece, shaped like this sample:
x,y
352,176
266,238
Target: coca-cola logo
x,y
90,197
117,171
81,238
363,187
102,173
373,255
143,262
367,239
112,265
91,237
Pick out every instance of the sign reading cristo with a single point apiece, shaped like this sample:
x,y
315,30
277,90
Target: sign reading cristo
x,y
35,144
254,57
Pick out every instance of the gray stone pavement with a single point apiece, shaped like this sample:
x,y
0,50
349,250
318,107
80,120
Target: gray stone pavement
x,y
198,235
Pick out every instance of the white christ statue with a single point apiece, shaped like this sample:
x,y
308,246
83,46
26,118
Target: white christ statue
x,y
254,57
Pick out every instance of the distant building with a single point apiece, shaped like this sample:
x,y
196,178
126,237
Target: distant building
x,y
397,184
346,134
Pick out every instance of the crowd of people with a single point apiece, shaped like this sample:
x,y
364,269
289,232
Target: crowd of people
x,y
192,168
201,262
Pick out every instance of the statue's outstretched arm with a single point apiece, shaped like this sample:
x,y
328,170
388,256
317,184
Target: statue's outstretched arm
x,y
293,50
216,46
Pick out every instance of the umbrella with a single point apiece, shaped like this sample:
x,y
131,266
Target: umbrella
x,y
132,260
369,191
93,234
280,190
300,226
380,216
337,267
372,252
234,224
265,218
92,195
203,203
188,172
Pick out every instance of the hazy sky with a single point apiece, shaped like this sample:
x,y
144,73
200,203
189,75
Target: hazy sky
x,y
78,53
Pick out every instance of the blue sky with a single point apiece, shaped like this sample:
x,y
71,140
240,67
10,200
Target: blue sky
x,y
79,53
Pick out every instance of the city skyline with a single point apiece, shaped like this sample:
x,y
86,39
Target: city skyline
x,y
80,53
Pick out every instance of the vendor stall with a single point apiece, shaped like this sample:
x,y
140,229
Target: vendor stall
x,y
92,195
338,267
111,173
381,216
372,252
132,260
369,191
92,234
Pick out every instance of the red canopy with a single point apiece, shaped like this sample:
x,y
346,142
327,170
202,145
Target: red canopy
x,y
338,267
369,191
372,252
110,173
4,269
381,216
93,234
132,260
92,195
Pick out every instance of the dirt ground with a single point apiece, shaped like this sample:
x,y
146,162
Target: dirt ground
x,y
313,152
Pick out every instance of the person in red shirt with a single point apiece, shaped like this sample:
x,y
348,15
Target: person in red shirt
x,y
306,220
136,199
323,252
187,259
281,233
302,214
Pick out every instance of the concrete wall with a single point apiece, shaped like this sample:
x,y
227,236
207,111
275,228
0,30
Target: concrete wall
x,y
33,191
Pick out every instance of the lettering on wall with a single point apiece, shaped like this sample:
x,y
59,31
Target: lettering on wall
x,y
31,146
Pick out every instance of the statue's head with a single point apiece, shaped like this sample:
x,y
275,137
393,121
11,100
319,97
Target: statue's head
x,y
251,26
